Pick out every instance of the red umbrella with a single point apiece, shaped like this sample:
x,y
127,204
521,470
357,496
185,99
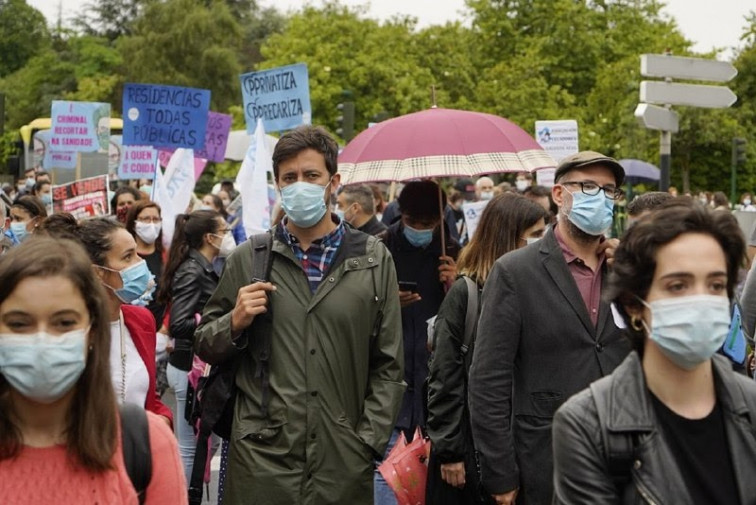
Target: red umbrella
x,y
440,143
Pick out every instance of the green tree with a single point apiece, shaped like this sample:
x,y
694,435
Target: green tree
x,y
183,43
23,34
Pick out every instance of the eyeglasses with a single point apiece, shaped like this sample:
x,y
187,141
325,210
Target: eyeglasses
x,y
591,188
148,220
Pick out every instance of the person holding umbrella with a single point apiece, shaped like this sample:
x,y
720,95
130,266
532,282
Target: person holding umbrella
x,y
424,271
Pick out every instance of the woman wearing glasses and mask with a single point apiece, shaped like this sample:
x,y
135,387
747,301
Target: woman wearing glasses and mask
x,y
186,285
673,423
126,278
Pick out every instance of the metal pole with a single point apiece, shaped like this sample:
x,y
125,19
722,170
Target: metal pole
x,y
665,159
733,171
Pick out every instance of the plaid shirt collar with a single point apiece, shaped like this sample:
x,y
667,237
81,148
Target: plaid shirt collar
x,y
317,259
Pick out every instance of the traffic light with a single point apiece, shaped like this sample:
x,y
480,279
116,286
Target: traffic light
x,y
345,119
738,151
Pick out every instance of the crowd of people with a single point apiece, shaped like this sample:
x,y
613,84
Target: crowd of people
x,y
546,360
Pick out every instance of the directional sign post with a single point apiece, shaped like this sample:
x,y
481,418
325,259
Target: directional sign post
x,y
668,93
693,95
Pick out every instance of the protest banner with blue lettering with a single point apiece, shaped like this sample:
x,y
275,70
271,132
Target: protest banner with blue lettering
x,y
280,96
137,162
165,116
216,137
80,126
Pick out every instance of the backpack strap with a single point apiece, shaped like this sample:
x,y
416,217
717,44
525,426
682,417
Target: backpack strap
x,y
262,245
135,444
619,448
471,319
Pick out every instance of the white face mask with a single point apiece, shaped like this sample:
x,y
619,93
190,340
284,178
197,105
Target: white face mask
x,y
522,185
148,232
486,195
532,240
228,244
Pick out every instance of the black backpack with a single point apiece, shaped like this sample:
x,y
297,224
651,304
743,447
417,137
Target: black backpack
x,y
216,394
135,444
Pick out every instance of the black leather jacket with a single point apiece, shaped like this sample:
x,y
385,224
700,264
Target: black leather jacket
x,y
193,283
580,462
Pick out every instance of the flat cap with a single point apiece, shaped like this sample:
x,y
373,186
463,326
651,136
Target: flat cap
x,y
585,158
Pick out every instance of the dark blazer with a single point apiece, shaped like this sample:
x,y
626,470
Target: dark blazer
x,y
373,226
141,325
535,347
581,474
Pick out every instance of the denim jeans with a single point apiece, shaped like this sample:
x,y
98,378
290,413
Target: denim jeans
x,y
177,379
382,493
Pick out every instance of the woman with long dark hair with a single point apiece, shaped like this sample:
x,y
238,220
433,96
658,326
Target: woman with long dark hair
x,y
509,221
126,277
59,424
187,283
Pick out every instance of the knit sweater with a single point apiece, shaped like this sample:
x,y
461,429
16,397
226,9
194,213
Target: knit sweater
x,y
42,476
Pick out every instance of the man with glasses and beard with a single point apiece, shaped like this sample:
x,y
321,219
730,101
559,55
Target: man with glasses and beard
x,y
544,333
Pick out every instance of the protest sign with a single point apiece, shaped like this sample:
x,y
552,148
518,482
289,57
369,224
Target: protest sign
x,y
137,162
80,126
84,198
559,139
164,157
45,158
472,212
165,116
280,96
115,151
216,137
173,190
253,181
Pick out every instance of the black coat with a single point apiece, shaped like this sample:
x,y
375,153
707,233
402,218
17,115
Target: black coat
x,y
536,346
580,473
193,283
420,265
373,226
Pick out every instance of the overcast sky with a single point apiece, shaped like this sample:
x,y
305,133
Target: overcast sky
x,y
708,23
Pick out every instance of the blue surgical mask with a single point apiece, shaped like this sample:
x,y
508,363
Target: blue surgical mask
x,y
19,231
689,329
304,203
46,199
418,238
43,367
591,213
339,213
136,280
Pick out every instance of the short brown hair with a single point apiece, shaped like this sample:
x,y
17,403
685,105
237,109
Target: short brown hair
x,y
91,421
306,137
635,259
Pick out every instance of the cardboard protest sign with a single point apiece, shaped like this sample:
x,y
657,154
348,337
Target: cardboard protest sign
x,y
280,96
472,212
115,151
216,137
559,139
80,126
137,162
45,158
165,116
83,198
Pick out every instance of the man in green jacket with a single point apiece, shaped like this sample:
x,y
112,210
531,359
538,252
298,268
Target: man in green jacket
x,y
331,309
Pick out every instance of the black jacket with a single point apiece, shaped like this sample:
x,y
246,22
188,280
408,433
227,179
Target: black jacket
x,y
448,418
193,283
418,265
580,468
373,226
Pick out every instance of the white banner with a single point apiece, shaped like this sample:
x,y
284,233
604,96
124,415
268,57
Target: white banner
x,y
253,184
559,139
472,212
173,191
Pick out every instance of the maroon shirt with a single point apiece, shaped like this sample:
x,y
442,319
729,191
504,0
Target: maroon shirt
x,y
588,282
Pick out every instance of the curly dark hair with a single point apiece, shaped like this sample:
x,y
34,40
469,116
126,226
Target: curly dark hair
x,y
635,259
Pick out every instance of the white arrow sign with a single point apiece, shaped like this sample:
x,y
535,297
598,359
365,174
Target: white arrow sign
x,y
657,118
694,95
677,67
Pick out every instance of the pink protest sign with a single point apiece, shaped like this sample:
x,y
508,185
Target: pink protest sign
x,y
216,137
199,163
137,162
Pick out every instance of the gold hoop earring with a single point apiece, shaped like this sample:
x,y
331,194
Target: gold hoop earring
x,y
636,323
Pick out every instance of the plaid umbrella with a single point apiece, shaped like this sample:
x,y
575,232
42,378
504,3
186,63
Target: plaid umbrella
x,y
440,143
